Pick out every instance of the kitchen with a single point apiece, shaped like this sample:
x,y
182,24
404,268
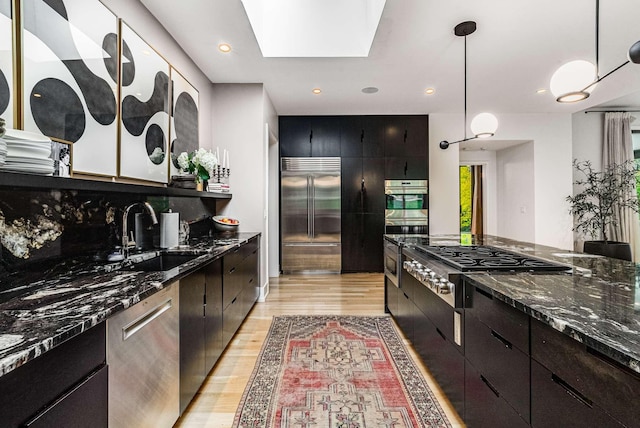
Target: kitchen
x,y
238,112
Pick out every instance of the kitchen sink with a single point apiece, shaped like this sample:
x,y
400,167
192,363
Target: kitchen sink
x,y
162,262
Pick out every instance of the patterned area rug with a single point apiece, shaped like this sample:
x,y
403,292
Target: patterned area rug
x,y
338,372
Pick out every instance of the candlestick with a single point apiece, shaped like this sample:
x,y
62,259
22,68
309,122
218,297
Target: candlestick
x,y
224,158
228,163
218,153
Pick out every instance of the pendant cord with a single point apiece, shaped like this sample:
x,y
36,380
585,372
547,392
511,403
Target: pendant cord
x,y
465,87
597,39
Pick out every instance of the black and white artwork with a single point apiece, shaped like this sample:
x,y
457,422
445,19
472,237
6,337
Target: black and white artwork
x,y
6,63
70,78
61,155
144,136
184,118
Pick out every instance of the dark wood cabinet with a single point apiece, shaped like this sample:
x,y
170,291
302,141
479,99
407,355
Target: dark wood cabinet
x,y
409,168
585,373
406,136
484,406
43,389
391,292
555,402
192,338
84,406
294,136
309,136
363,185
213,314
362,136
362,242
504,365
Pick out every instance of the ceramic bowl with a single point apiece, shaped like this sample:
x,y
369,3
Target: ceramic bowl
x,y
224,227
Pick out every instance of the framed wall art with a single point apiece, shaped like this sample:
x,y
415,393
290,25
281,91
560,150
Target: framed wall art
x,y
184,118
6,63
144,132
70,78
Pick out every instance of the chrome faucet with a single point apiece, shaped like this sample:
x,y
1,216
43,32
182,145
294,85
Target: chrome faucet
x,y
125,219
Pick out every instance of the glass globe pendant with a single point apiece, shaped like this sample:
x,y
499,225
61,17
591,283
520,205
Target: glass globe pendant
x,y
574,81
484,125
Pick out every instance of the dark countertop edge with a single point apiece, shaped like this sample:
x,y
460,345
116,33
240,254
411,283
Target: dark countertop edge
x,y
36,349
548,319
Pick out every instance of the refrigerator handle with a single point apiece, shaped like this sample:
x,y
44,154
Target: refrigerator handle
x,y
309,208
313,207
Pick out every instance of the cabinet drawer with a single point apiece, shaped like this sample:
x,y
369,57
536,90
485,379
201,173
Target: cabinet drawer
x,y
484,405
556,403
83,406
231,320
42,380
391,297
598,379
505,366
231,260
232,285
249,248
507,321
436,309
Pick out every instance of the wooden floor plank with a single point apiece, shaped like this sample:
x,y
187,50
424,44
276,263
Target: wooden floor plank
x,y
351,294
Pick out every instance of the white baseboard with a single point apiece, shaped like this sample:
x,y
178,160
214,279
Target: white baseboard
x,y
264,292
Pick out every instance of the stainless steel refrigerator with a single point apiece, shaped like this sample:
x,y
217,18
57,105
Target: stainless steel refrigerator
x,y
310,214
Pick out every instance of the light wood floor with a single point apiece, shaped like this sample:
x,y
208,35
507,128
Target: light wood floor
x,y
352,294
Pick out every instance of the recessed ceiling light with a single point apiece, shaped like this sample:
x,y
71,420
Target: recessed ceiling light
x,y
429,91
146,52
370,90
224,47
316,91
36,95
541,91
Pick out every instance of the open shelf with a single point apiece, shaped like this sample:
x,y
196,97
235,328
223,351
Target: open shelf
x,y
31,181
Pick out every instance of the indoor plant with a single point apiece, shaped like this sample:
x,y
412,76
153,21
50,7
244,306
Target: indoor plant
x,y
596,206
201,163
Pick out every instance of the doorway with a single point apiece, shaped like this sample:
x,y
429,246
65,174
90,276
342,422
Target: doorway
x,y
471,200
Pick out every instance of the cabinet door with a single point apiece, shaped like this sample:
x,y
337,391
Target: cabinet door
x,y
362,242
484,407
416,142
41,381
373,196
394,136
325,136
391,297
295,136
414,168
213,314
351,178
86,405
505,365
406,315
556,403
351,137
373,136
192,370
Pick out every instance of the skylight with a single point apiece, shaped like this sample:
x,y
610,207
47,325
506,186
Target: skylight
x,y
314,28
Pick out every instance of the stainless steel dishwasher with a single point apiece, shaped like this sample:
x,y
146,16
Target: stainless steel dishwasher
x,y
144,362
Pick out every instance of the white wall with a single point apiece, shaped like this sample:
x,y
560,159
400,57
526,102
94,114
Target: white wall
x,y
145,24
239,114
552,139
516,192
444,174
486,158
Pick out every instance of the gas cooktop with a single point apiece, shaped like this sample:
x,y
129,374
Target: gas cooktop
x,y
482,257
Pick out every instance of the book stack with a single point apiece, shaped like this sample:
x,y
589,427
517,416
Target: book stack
x,y
218,187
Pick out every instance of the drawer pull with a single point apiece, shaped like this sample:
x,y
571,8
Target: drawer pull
x,y
572,391
491,387
405,294
441,334
232,270
484,293
251,280
504,341
234,300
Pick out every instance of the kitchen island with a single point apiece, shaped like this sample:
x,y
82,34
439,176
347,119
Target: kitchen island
x,y
578,327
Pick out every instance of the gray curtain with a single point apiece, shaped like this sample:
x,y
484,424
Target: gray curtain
x,y
618,148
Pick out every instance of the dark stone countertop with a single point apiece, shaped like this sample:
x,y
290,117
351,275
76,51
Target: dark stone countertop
x,y
598,303
42,314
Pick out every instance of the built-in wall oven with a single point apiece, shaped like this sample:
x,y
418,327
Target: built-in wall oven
x,y
407,206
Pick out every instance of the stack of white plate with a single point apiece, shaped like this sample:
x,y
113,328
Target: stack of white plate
x,y
3,151
27,152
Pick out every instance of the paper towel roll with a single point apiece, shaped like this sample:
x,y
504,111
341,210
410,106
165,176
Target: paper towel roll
x,y
169,227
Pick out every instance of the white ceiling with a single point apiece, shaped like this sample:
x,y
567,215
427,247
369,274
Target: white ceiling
x,y
514,52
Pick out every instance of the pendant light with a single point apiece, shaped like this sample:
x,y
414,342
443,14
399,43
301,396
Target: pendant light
x,y
483,125
575,80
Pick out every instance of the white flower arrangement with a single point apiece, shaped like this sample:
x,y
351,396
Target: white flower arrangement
x,y
201,162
